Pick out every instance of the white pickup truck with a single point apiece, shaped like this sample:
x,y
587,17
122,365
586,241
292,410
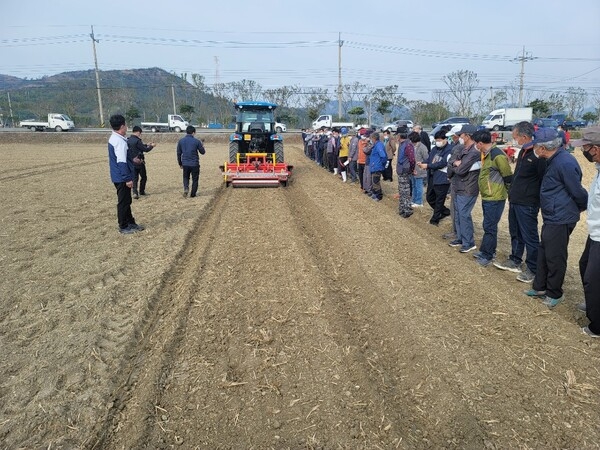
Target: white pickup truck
x,y
327,121
174,123
56,122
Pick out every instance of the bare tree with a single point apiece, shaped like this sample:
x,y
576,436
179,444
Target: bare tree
x,y
369,102
461,85
351,94
556,101
246,90
283,96
512,93
575,99
315,100
596,102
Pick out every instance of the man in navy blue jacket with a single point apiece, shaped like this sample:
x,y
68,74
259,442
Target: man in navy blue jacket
x,y
188,159
562,199
438,183
122,173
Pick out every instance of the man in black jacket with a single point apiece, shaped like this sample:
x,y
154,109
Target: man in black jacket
x,y
136,149
524,206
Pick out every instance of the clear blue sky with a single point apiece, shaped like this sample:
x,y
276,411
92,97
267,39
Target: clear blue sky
x,y
276,43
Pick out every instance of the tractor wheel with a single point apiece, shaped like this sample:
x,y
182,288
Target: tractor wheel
x,y
233,151
278,150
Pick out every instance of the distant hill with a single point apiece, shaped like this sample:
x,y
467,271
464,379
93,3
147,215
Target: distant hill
x,y
74,93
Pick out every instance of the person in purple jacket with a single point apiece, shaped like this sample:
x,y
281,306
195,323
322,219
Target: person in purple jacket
x,y
122,173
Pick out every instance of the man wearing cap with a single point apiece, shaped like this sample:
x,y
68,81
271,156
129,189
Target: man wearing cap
x,y
437,177
562,199
589,264
494,178
463,171
524,206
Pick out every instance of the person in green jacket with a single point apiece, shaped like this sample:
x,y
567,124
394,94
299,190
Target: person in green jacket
x,y
494,179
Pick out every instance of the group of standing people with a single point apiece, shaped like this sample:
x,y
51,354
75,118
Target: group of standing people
x,y
127,165
462,164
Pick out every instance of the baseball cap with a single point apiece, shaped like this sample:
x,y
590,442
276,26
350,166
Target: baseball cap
x,y
544,135
467,129
591,135
454,130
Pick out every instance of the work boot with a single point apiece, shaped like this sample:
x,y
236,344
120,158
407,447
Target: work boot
x,y
335,171
344,177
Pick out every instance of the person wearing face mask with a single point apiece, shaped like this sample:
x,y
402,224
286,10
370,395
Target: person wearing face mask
x,y
589,263
437,177
562,199
524,206
494,179
463,170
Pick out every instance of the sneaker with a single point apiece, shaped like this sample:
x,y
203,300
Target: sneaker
x,y
185,193
483,262
455,243
467,249
509,265
135,196
534,293
449,236
551,303
126,230
406,215
415,205
136,227
526,276
590,333
374,197
581,307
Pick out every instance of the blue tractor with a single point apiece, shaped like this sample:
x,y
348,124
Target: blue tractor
x,y
255,131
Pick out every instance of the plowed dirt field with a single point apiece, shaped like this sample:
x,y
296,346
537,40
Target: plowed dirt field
x,y
300,317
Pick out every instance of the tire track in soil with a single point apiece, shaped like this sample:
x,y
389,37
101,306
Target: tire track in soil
x,y
281,359
160,331
370,398
48,168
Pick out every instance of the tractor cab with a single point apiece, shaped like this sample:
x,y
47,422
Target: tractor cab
x,y
255,148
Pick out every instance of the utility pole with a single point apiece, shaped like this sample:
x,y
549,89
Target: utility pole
x,y
492,104
524,57
340,43
12,119
94,40
173,95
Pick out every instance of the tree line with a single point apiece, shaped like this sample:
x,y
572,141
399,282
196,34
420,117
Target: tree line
x,y
147,95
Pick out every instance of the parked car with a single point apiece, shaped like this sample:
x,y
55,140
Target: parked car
x,y
453,121
567,124
402,123
545,123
